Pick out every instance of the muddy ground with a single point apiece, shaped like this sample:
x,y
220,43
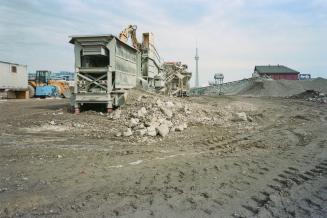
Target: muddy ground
x,y
56,164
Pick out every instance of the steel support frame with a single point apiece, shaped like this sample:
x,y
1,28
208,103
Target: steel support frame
x,y
91,80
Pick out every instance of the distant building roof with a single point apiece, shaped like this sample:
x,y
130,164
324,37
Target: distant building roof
x,y
274,69
5,62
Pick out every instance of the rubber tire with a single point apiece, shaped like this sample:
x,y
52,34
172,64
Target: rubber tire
x,y
31,91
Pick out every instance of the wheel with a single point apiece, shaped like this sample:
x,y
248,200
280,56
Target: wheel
x,y
31,91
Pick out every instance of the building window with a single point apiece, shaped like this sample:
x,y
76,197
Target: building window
x,y
13,69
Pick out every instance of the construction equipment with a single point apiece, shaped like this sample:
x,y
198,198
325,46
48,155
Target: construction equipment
x,y
130,31
171,78
176,79
43,86
151,66
107,66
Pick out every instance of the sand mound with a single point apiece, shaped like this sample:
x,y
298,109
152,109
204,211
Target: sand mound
x,y
283,88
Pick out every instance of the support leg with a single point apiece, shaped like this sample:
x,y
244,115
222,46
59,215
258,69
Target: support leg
x,y
77,109
109,107
109,110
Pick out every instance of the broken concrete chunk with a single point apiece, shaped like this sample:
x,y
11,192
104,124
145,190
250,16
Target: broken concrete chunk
x,y
180,127
167,122
154,122
169,104
151,131
77,125
151,123
159,102
167,112
163,130
141,132
139,126
133,122
142,112
3,189
128,132
239,117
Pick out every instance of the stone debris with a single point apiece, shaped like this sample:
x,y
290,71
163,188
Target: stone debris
x,y
3,190
150,115
239,117
151,131
133,122
163,130
313,96
128,132
168,112
180,128
169,104
142,112
141,132
78,125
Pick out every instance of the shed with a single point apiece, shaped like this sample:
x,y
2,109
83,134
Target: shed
x,y
13,80
276,72
13,76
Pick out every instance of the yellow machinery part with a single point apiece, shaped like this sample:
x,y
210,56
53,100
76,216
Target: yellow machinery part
x,y
62,86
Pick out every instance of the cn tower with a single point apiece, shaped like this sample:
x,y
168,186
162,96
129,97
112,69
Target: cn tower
x,y
196,67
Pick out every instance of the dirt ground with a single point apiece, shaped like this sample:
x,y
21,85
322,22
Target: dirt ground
x,y
56,164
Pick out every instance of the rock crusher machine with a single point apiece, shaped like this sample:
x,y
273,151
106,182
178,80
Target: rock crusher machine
x,y
106,67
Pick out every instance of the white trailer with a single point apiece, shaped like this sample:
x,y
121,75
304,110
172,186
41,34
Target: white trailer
x,y
13,80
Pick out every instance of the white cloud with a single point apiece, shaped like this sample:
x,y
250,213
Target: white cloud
x,y
233,35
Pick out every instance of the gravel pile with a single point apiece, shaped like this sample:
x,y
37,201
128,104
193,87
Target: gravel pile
x,y
283,88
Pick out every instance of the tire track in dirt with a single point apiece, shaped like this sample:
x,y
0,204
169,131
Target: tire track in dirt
x,y
287,180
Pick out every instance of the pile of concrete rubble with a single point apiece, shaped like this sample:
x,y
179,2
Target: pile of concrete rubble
x,y
147,114
312,95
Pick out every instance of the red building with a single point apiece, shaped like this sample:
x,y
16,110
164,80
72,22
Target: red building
x,y
276,72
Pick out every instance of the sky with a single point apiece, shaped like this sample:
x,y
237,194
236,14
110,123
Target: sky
x,y
232,35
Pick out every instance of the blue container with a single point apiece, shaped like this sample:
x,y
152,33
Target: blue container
x,y
46,91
